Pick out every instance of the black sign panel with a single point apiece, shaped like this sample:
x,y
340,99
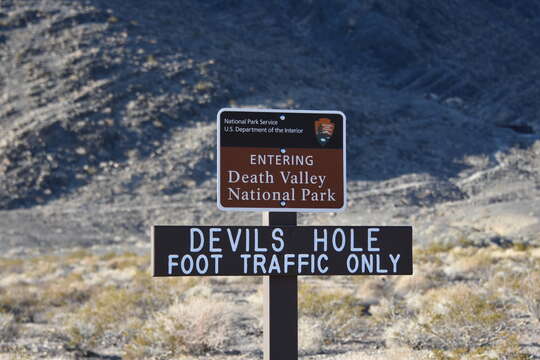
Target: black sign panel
x,y
281,250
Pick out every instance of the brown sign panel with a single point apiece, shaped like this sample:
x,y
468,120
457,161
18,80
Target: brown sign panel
x,y
281,160
281,250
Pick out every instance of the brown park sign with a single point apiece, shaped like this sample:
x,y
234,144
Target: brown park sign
x,y
281,160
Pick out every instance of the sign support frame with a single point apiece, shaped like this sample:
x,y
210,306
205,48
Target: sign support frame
x,y
280,296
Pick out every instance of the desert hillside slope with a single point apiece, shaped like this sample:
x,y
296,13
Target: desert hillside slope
x,y
107,110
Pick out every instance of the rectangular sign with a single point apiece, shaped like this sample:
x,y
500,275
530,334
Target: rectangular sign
x,y
281,250
281,160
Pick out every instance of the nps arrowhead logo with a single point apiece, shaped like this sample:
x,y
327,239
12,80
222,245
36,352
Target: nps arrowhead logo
x,y
324,129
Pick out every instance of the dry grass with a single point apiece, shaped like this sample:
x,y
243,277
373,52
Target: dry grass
x,y
459,316
90,300
400,353
8,327
529,292
310,335
461,303
338,314
112,312
467,311
197,326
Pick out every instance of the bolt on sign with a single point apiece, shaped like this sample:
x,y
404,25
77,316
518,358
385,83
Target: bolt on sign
x,y
281,250
281,160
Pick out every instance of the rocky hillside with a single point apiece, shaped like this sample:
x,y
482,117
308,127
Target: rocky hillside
x,y
107,109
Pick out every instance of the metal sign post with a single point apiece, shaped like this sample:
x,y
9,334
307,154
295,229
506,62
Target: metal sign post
x,y
280,251
281,162
280,304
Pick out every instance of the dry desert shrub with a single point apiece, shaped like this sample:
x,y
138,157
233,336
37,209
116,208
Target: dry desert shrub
x,y
339,313
310,335
458,319
426,276
125,260
371,289
28,301
65,291
535,254
66,283
529,292
389,309
8,328
517,281
116,313
17,352
197,326
11,265
104,314
401,353
469,262
27,296
21,301
433,252
88,299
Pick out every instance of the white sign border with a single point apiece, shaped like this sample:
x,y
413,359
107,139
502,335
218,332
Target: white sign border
x,y
218,172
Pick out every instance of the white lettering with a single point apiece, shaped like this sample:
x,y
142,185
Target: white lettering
x,y
353,247
302,262
234,176
192,247
394,261
236,241
257,248
277,235
352,269
204,268
319,263
379,269
189,259
258,262
317,239
214,239
274,265
366,264
288,262
216,258
245,257
343,240
371,239
172,263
